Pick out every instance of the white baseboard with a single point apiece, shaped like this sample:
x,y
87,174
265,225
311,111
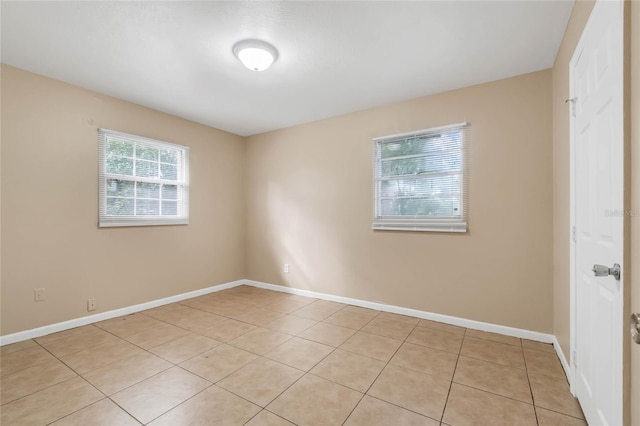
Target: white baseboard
x,y
90,319
462,322
563,360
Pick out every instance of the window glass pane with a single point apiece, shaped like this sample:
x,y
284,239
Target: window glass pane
x,y
168,171
146,169
147,153
169,192
147,190
117,147
119,206
169,156
148,207
420,186
169,208
422,145
451,161
433,207
120,166
121,188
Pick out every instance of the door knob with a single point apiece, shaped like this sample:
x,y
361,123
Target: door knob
x,y
635,328
603,271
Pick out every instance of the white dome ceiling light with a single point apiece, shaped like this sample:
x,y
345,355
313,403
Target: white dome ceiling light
x,y
256,55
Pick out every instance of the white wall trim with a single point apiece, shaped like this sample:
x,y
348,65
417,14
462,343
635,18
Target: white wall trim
x,y
90,319
563,360
462,322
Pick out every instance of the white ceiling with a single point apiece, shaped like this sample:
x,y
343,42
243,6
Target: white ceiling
x,y
335,57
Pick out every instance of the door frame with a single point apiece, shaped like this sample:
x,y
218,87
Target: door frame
x,y
572,373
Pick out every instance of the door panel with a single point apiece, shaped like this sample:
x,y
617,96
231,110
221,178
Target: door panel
x,y
598,189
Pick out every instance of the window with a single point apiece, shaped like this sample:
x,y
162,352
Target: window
x,y
420,180
142,181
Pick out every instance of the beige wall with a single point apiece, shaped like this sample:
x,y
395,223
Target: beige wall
x,y
561,219
309,198
50,236
635,200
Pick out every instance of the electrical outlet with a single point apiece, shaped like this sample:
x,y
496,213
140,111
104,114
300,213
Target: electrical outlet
x,y
40,294
92,305
286,268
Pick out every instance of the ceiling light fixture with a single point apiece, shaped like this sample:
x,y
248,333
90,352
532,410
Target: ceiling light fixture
x,y
256,55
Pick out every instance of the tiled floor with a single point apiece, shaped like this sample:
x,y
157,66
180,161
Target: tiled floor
x,y
256,357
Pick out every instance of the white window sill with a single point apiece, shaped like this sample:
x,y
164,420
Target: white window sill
x,y
419,226
120,222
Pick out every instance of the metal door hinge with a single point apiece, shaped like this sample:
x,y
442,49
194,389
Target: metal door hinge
x,y
572,101
573,358
573,233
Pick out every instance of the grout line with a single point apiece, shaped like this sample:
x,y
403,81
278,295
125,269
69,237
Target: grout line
x,y
444,409
366,392
535,412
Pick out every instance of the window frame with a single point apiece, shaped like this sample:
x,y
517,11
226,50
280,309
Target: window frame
x,y
421,222
105,220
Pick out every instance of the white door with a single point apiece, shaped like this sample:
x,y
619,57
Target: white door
x,y
596,71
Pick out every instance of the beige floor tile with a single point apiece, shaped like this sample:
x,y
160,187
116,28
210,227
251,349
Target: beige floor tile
x,y
183,348
228,330
315,312
195,319
330,304
348,369
126,372
212,407
259,316
134,323
99,356
290,324
499,353
80,342
14,347
372,345
425,360
348,319
494,337
160,393
261,381
174,313
467,406
553,394
218,363
544,347
542,363
551,418
315,401
50,404
26,358
266,418
300,353
388,328
66,333
499,379
260,341
402,318
328,334
156,336
436,339
101,413
33,379
423,393
361,311
286,306
229,309
442,326
372,411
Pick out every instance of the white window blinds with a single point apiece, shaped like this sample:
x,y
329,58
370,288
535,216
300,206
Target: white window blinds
x,y
142,181
421,180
